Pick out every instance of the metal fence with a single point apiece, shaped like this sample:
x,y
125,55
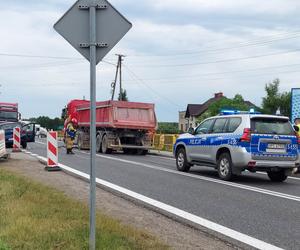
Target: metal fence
x,y
164,142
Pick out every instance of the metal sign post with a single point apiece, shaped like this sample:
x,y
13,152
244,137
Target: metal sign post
x,y
93,35
93,127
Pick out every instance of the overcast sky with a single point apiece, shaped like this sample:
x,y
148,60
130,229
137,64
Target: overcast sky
x,y
177,52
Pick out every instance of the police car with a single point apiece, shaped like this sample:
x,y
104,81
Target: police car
x,y
235,141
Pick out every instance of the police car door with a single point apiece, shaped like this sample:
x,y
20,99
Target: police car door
x,y
215,138
197,145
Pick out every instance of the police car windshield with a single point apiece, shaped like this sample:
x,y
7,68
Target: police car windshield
x,y
271,126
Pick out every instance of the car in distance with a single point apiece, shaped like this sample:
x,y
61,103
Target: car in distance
x,y
235,141
27,133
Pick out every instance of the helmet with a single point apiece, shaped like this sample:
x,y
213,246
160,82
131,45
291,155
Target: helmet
x,y
74,121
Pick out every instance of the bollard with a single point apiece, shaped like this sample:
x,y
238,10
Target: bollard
x,y
3,153
52,152
16,140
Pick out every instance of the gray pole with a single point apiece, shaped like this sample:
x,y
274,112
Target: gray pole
x,y
93,126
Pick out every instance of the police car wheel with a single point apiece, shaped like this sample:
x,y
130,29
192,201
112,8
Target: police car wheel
x,y
181,161
225,167
277,176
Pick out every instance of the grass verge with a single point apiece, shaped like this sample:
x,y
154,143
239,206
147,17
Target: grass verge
x,y
34,216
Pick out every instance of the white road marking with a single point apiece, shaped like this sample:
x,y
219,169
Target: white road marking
x,y
236,185
42,143
162,157
251,241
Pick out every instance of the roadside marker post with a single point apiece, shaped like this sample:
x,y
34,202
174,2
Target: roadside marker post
x,y
52,152
3,153
16,140
93,28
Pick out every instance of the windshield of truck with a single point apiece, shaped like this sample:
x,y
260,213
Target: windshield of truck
x,y
271,126
6,115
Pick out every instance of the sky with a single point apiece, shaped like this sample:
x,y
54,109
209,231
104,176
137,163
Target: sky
x,y
177,53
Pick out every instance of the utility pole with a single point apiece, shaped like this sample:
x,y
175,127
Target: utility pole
x,y
118,72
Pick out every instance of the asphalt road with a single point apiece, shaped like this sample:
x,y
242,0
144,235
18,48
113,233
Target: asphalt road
x,y
251,204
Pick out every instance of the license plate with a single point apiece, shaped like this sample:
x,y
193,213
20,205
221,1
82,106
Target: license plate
x,y
276,146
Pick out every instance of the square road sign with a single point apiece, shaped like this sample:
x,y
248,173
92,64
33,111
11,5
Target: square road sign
x,y
110,24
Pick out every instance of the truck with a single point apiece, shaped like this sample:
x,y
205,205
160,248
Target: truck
x,y
120,125
9,112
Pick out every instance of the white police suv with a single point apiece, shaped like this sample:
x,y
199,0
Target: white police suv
x,y
236,141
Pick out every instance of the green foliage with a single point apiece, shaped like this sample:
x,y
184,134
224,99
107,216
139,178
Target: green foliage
x,y
123,95
225,103
48,123
167,128
275,99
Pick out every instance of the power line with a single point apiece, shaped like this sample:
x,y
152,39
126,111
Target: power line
x,y
223,78
50,57
219,73
215,49
217,61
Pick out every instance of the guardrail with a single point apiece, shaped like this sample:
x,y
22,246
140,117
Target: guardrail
x,y
164,142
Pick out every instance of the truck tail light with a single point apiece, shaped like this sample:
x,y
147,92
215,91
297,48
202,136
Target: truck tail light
x,y
246,137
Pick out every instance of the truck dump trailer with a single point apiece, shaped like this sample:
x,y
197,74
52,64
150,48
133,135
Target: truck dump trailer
x,y
127,126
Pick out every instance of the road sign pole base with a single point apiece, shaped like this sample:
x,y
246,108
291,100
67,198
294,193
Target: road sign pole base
x,y
53,169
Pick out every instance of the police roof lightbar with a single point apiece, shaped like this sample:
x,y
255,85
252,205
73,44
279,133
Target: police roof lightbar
x,y
229,112
235,112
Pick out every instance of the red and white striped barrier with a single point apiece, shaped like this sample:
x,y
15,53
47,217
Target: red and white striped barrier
x,y
17,140
52,152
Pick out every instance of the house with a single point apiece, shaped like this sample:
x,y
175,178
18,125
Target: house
x,y
188,118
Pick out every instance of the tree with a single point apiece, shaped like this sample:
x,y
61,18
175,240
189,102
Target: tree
x,y
167,128
123,96
237,103
276,100
48,123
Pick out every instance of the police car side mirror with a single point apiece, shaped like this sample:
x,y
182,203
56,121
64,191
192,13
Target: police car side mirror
x,y
296,128
191,131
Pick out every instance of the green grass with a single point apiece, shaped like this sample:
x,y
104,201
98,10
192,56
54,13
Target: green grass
x,y
3,246
33,216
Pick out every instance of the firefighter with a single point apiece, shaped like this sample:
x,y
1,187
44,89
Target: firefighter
x,y
70,135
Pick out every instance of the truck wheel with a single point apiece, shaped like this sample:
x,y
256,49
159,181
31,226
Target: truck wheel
x,y
277,176
104,145
181,161
224,166
98,144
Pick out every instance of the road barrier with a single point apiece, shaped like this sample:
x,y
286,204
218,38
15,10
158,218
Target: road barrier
x,y
52,152
3,153
16,140
60,134
164,142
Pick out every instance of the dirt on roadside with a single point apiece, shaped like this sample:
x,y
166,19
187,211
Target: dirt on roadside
x,y
174,234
